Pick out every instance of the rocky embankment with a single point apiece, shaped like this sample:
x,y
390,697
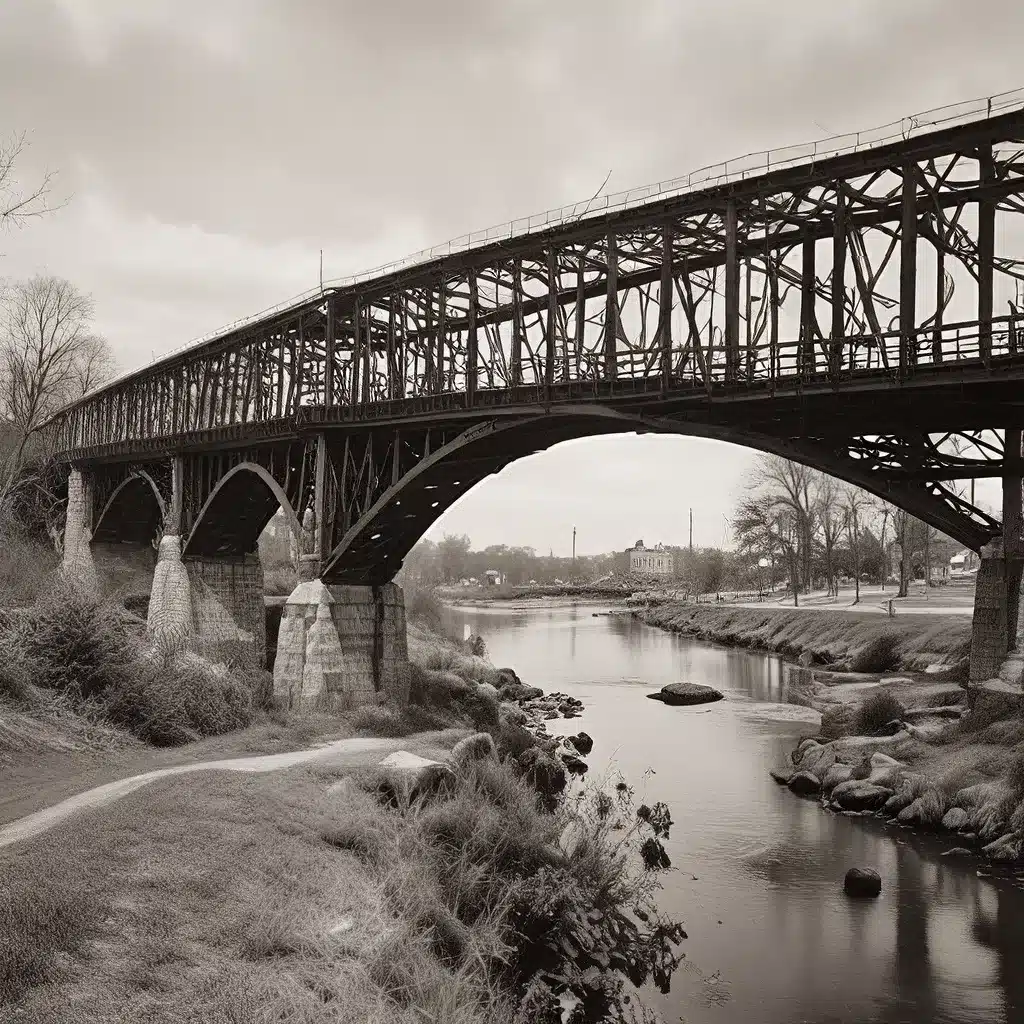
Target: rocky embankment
x,y
949,769
549,759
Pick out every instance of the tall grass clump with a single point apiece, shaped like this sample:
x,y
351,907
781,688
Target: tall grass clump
x,y
90,654
879,654
425,607
876,711
552,904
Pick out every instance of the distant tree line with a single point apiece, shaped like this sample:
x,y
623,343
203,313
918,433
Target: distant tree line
x,y
793,527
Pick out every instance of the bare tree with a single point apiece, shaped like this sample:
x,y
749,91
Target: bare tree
x,y
856,505
48,358
828,513
19,203
788,486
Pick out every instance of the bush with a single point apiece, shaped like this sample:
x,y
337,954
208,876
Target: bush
x,y
74,642
879,709
380,720
880,654
171,704
26,570
425,607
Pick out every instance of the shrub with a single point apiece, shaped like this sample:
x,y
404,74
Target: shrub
x,y
26,569
877,710
380,720
879,654
171,704
280,580
425,607
74,642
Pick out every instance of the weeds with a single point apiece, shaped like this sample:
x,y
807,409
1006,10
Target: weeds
x,y
879,654
876,711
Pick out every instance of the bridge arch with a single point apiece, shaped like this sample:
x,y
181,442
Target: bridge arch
x,y
133,514
373,548
237,511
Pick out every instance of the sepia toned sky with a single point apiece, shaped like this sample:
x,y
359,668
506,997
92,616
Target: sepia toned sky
x,y
209,149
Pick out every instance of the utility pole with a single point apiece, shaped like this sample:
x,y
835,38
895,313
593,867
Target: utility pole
x,y
574,552
691,531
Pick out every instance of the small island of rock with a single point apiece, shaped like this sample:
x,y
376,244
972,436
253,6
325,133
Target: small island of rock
x,y
686,693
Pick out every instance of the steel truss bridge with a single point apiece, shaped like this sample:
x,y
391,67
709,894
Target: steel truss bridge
x,y
851,311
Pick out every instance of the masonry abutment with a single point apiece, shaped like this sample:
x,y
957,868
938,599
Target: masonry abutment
x,y
228,613
342,646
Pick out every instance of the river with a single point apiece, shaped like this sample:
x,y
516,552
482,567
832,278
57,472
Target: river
x,y
758,885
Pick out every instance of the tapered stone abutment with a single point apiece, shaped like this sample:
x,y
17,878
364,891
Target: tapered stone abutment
x,y
341,647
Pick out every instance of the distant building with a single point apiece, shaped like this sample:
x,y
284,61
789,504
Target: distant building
x,y
963,562
493,578
656,561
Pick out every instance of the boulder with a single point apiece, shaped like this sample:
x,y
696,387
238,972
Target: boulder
x,y
802,749
574,765
478,747
507,677
860,796
957,851
583,743
836,775
782,775
412,776
543,771
486,690
1006,849
512,714
686,694
805,783
862,882
818,761
955,819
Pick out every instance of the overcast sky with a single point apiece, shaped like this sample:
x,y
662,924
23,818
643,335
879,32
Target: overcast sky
x,y
210,149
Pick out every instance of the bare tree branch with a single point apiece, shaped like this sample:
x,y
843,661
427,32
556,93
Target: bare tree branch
x,y
18,202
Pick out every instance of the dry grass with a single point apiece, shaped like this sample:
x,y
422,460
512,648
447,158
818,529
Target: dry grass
x,y
832,637
26,570
255,918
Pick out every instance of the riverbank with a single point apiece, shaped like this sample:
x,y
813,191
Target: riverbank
x,y
946,762
841,641
447,882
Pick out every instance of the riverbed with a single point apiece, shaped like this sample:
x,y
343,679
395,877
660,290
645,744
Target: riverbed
x,y
758,885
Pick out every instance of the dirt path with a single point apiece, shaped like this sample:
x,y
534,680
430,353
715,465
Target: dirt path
x,y
355,752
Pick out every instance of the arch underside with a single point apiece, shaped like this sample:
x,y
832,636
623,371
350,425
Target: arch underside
x,y
392,499
133,514
236,513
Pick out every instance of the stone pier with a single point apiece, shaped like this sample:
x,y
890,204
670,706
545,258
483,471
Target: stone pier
x,y
77,560
213,606
989,635
341,646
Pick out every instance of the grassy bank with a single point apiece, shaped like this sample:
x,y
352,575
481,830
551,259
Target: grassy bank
x,y
489,888
844,641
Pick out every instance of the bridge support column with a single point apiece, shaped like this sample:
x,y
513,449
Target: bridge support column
x,y
228,615
170,621
341,647
989,632
77,563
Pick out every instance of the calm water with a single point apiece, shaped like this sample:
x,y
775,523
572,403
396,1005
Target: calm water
x,y
759,880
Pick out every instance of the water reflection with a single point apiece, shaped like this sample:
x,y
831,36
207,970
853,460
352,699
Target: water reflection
x,y
759,879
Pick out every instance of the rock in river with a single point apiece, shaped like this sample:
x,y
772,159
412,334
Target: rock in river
x,y
862,882
686,694
805,783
